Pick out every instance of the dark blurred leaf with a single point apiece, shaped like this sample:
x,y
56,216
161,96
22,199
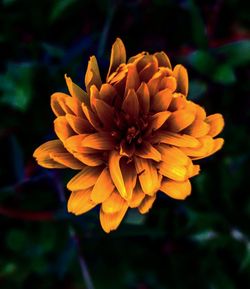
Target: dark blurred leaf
x,y
224,74
53,51
16,240
8,2
59,8
134,217
196,89
202,61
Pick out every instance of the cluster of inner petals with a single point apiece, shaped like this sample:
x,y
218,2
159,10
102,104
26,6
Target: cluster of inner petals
x,y
131,136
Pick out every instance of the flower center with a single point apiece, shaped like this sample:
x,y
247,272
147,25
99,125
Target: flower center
x,y
132,134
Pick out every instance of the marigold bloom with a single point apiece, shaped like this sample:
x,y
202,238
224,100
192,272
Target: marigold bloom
x,y
130,137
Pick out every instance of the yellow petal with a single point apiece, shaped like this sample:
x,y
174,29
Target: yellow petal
x,y
103,187
179,120
62,128
173,155
94,94
147,151
176,190
168,82
178,102
216,123
116,174
133,80
161,100
50,164
74,144
91,117
58,103
193,170
99,141
84,179
114,203
130,104
78,124
50,146
92,75
118,56
157,120
107,93
75,106
137,196
198,128
143,97
79,202
176,139
127,149
147,67
206,146
173,171
67,160
154,83
90,159
181,75
146,204
217,145
76,91
129,176
148,175
105,113
110,222
163,59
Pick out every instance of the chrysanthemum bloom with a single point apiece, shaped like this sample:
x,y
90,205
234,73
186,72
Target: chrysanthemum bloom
x,y
130,137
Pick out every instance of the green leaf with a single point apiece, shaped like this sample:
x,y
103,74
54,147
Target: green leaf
x,y
224,74
59,8
196,89
202,61
16,240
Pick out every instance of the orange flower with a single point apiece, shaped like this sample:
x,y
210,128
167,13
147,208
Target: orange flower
x,y
130,137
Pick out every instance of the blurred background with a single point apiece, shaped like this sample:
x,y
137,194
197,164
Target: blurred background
x,y
203,242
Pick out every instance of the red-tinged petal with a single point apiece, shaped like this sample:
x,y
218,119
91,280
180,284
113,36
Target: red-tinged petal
x,y
206,146
147,67
78,124
178,102
170,154
91,117
133,80
148,175
76,91
217,145
110,222
180,73
45,149
116,174
100,141
75,106
198,128
157,120
143,97
130,104
103,187
176,190
118,56
58,103
168,82
137,196
89,159
154,83
147,151
216,123
163,59
176,139
173,171
86,178
127,149
107,93
179,120
92,75
62,128
79,202
105,113
129,176
147,204
114,203
94,94
161,100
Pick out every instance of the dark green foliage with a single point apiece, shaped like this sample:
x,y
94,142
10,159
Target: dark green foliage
x,y
203,242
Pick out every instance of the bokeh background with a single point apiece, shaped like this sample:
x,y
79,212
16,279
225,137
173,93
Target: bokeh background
x,y
203,242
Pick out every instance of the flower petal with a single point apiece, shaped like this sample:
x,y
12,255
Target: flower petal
x,y
99,141
147,67
181,75
143,97
110,222
217,145
62,128
76,91
161,100
90,159
168,82
216,123
103,187
105,113
137,196
116,174
146,204
157,120
147,151
148,175
176,190
176,139
173,155
130,104
107,93
205,148
67,160
129,176
79,202
91,117
86,178
173,171
198,128
74,144
133,80
58,103
114,203
163,59
179,120
92,75
78,124
118,56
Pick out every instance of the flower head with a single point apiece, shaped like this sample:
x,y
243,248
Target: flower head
x,y
130,137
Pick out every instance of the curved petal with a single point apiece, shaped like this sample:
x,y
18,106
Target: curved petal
x,y
79,202
91,117
204,149
129,176
92,75
130,104
78,124
172,155
217,145
216,123
176,190
156,121
137,196
118,56
62,128
146,204
86,178
143,97
89,159
179,120
74,144
168,82
147,151
181,75
105,113
163,59
198,128
58,103
67,160
76,91
114,203
103,187
107,93
133,80
173,171
161,100
99,141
